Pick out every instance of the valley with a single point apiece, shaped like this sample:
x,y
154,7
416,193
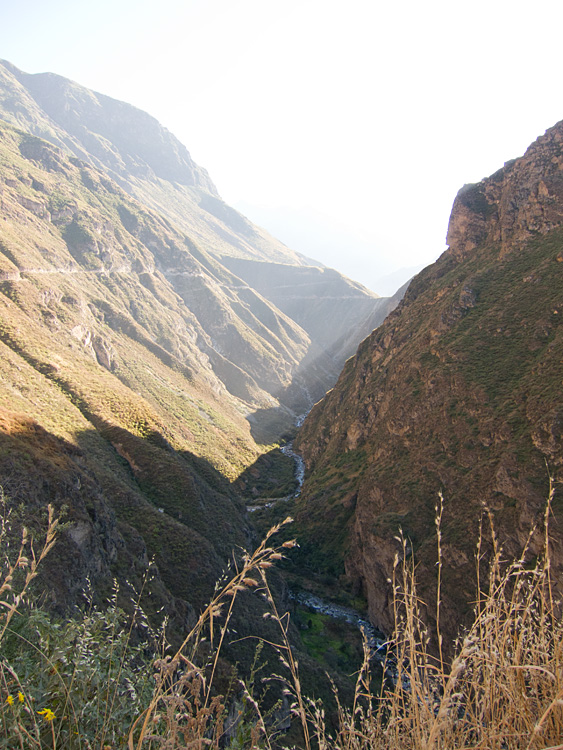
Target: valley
x,y
150,369
175,383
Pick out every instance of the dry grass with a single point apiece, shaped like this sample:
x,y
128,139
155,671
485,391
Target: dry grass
x,y
25,559
17,571
502,690
185,712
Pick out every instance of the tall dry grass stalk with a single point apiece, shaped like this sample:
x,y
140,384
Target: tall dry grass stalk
x,y
25,559
503,689
17,571
184,711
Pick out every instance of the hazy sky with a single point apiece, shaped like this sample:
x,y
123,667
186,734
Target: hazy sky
x,y
367,116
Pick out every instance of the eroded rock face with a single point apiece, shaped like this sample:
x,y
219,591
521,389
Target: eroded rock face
x,y
458,392
522,199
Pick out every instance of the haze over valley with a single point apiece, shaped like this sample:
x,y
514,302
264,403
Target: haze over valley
x,y
179,387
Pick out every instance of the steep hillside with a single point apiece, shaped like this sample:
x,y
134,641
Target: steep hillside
x,y
136,151
458,391
333,310
110,405
154,344
153,166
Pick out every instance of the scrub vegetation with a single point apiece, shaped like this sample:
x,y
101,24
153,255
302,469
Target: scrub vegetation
x,y
105,679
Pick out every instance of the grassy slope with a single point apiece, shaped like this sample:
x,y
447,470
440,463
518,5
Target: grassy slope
x,y
98,358
150,164
459,391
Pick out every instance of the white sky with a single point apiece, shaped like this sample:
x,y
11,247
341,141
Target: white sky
x,y
370,114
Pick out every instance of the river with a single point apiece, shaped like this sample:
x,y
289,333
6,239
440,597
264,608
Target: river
x,y
287,450
376,639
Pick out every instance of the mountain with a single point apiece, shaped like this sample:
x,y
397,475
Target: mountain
x,y
141,375
303,294
150,164
459,392
330,240
109,407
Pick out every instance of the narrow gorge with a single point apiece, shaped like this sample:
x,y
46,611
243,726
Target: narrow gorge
x,y
158,351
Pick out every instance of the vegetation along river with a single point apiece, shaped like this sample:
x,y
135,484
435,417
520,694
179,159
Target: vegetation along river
x,y
375,638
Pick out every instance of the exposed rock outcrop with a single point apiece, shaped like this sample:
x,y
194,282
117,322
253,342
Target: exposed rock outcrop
x,y
522,199
458,391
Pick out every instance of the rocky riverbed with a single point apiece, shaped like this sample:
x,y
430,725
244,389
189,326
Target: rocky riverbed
x,y
268,502
375,639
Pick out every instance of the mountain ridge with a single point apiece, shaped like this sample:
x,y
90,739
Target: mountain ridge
x,y
63,100
458,392
142,379
111,135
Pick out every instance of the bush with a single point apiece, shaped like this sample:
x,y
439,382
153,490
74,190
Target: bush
x,y
71,684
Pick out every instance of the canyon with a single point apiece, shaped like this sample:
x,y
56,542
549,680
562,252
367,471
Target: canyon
x,y
147,359
158,350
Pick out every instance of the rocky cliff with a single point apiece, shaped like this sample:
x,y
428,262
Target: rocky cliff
x,y
459,392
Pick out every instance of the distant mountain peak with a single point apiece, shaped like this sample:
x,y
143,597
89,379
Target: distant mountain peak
x,y
118,135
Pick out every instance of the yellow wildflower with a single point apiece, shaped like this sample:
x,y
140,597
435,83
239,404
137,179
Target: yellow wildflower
x,y
20,696
10,700
47,714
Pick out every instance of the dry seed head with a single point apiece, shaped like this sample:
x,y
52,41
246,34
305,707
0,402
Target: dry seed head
x,y
250,582
289,544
